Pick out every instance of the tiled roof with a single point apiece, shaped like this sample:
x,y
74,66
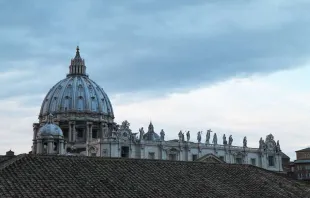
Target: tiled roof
x,y
71,176
305,149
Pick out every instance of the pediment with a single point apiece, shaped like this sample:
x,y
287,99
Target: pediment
x,y
210,158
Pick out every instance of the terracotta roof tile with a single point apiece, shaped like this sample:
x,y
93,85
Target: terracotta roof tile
x,y
71,176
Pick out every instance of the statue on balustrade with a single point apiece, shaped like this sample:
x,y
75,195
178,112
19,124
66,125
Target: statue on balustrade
x,y
261,143
230,140
141,131
224,140
180,136
199,136
278,149
208,136
188,136
214,139
245,142
162,135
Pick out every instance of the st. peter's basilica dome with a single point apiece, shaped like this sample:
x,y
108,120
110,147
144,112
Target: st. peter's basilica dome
x,y
76,93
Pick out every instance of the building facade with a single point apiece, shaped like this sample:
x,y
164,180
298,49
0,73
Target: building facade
x,y
300,168
84,114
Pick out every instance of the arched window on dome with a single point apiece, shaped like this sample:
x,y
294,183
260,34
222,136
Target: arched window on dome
x,y
80,103
104,105
66,103
94,106
80,90
54,103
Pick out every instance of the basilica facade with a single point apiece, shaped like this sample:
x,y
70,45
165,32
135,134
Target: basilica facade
x,y
76,118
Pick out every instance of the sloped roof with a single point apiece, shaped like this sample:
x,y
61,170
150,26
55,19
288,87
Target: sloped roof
x,y
305,149
75,176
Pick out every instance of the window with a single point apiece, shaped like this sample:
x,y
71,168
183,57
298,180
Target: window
x,y
172,157
271,160
125,151
151,155
253,161
80,133
66,133
94,134
222,158
93,154
194,157
238,160
80,103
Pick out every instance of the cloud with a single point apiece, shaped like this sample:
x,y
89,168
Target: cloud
x,y
151,45
252,107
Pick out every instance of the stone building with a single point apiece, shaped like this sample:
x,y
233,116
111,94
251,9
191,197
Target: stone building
x,y
300,168
85,117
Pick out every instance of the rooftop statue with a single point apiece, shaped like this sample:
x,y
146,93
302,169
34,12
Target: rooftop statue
x,y
188,136
230,140
245,142
199,136
214,139
224,140
162,135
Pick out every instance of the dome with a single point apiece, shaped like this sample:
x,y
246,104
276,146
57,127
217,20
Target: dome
x,y
77,93
50,129
151,135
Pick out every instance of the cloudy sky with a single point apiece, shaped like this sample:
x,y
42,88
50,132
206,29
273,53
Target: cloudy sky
x,y
238,67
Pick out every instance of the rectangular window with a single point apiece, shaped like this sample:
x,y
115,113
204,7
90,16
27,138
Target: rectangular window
x,y
238,160
80,133
66,133
253,161
94,134
222,158
271,160
151,155
173,157
194,157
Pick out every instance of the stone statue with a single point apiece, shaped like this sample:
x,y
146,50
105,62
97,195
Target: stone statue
x,y
125,125
261,143
214,139
208,136
224,139
141,130
278,149
183,137
180,136
188,136
199,136
162,135
269,138
245,142
230,140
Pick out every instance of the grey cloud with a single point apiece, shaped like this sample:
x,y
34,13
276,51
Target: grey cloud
x,y
151,45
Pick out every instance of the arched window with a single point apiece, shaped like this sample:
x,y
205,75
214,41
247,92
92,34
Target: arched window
x,y
54,102
94,106
66,103
80,103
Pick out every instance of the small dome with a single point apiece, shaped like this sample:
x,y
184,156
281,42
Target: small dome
x,y
50,129
151,135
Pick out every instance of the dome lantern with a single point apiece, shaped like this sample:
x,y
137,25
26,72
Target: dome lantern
x,y
77,66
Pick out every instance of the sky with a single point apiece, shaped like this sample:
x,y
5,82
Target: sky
x,y
237,67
